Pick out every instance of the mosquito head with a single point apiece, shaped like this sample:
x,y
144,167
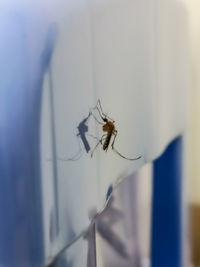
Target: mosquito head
x,y
108,120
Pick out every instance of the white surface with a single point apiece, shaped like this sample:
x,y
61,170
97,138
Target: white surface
x,y
132,55
193,137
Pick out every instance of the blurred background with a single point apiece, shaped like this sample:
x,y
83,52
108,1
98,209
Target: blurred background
x,y
193,180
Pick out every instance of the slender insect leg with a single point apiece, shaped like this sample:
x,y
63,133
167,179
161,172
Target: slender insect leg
x,y
101,110
117,152
115,135
99,142
95,148
94,137
96,118
77,155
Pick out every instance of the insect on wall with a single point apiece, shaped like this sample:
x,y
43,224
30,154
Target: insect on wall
x,y
107,139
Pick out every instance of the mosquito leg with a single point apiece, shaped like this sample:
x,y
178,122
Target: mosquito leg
x,y
117,152
80,152
113,142
77,155
98,107
95,148
101,114
96,118
99,103
99,142
75,158
94,137
101,110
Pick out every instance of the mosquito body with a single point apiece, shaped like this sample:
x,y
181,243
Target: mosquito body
x,y
108,126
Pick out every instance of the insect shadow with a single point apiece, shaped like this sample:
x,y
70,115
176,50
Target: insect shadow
x,y
81,135
108,126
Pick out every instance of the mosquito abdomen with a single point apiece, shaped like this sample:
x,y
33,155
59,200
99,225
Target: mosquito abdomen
x,y
107,142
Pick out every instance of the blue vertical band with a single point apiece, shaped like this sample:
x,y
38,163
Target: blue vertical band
x,y
22,69
166,210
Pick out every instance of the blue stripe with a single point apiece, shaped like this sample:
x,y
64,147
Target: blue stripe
x,y
166,211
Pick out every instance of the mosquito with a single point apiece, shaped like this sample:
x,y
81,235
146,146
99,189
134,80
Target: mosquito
x,y
108,126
